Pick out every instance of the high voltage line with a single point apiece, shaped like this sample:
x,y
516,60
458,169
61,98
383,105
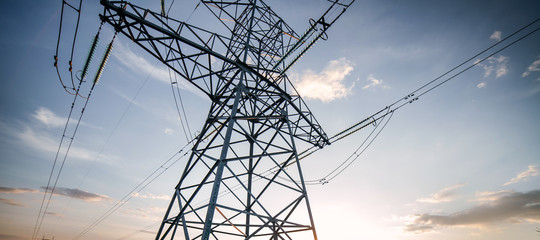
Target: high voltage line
x,y
49,190
375,119
42,211
139,187
410,98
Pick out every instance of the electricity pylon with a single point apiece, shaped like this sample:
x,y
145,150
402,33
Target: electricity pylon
x,y
243,179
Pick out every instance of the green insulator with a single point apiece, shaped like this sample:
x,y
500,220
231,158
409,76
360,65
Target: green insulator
x,y
89,58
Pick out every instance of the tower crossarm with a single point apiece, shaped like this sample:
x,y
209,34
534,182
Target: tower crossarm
x,y
205,59
316,31
282,46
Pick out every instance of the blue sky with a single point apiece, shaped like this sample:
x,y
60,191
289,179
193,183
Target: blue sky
x,y
462,162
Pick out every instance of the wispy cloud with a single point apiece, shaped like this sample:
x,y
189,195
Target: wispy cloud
x,y
44,142
52,120
497,65
47,117
496,36
17,190
38,136
157,71
149,232
504,207
488,196
168,131
131,100
327,85
481,85
153,213
151,196
373,82
54,214
446,194
11,202
522,176
137,63
8,190
66,192
78,194
534,67
11,237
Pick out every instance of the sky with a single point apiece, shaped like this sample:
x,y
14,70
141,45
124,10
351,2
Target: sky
x,y
461,162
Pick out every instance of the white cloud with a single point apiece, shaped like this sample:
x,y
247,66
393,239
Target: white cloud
x,y
373,82
446,194
497,65
168,131
328,84
45,143
481,85
37,138
534,67
50,119
496,36
530,172
41,140
47,117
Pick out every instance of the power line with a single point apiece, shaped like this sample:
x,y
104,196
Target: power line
x,y
41,214
354,156
78,10
74,40
372,120
139,231
139,187
410,98
181,116
413,96
377,117
357,127
475,56
43,210
113,131
142,185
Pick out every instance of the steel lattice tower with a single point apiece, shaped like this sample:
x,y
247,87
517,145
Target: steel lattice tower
x,y
243,179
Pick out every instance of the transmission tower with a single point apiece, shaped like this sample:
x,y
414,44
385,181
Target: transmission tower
x,y
243,179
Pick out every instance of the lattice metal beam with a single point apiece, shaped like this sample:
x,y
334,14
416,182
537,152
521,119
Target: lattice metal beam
x,y
196,55
244,163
